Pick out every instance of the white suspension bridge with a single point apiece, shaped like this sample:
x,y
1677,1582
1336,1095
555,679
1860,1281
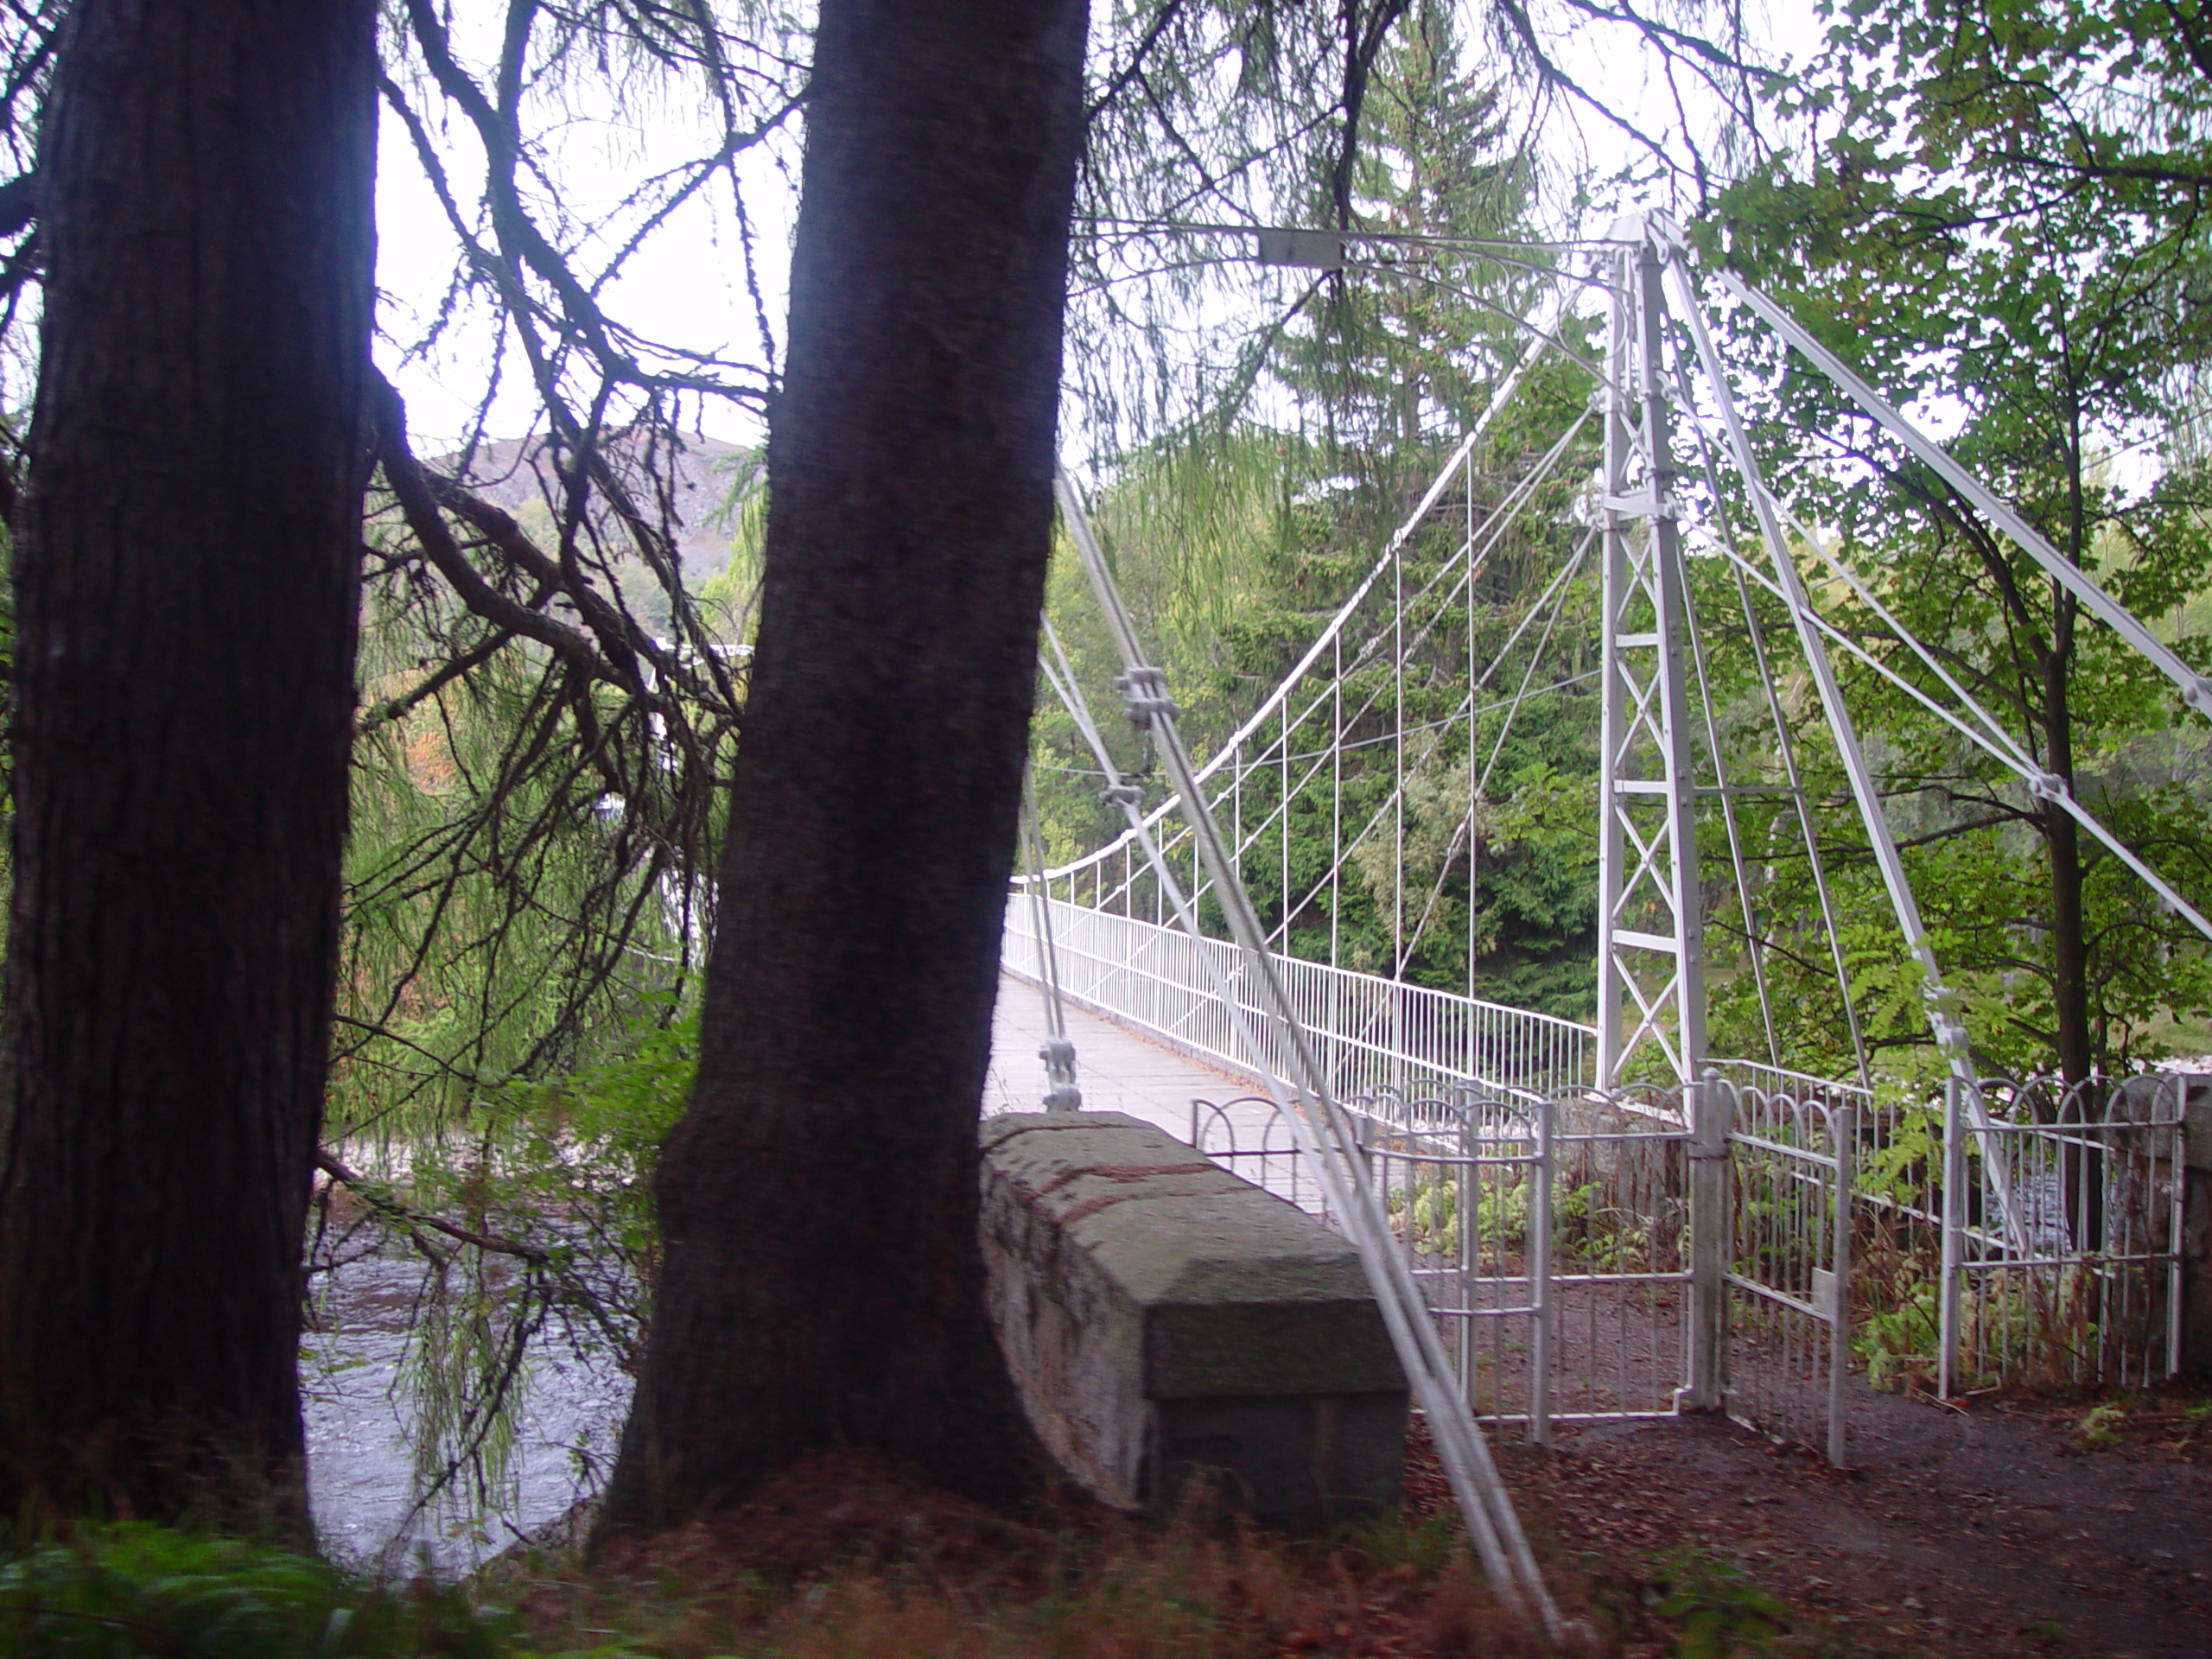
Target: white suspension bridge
x,y
1565,1221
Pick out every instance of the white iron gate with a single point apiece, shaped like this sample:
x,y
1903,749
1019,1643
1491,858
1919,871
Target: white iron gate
x,y
1590,1256
1786,1316
1549,1235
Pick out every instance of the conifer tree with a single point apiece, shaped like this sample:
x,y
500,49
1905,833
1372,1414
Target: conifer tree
x,y
187,584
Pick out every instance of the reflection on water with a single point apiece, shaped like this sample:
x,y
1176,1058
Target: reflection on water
x,y
361,1468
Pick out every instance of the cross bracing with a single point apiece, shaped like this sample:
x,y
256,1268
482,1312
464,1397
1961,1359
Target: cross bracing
x,y
1381,744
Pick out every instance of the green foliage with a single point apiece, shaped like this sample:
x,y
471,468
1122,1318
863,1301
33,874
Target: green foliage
x,y
511,907
1717,1608
1993,216
1899,1340
1603,1232
2097,1426
571,1160
138,1591
1426,1215
1907,1159
559,1175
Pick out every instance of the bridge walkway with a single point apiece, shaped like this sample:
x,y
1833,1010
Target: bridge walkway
x,y
1118,1070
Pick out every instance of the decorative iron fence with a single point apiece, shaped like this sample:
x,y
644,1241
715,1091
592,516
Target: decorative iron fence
x,y
2063,1233
2020,1233
1555,1238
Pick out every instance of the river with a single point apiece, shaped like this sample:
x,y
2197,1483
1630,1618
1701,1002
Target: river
x,y
360,1466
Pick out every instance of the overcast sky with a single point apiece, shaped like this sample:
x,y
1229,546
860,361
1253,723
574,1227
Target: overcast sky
x,y
686,286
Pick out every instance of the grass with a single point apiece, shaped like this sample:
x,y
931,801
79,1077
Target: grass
x,y
137,1591
842,1560
123,1591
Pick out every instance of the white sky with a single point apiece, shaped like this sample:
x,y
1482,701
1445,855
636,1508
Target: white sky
x,y
686,286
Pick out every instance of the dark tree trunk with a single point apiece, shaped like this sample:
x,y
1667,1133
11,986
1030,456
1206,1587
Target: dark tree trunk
x,y
822,1282
2069,979
2080,1170
187,584
2069,928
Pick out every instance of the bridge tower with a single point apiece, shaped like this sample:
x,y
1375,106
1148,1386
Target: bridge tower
x,y
1650,946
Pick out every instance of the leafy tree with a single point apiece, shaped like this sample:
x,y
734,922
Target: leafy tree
x,y
1995,216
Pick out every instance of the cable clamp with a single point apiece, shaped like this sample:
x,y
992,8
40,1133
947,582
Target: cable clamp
x,y
2198,695
2048,786
1646,503
1059,1055
1123,795
1145,691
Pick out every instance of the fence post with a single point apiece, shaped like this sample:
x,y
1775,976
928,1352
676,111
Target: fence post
x,y
1710,1102
1540,1278
1947,1294
2189,1228
1844,1126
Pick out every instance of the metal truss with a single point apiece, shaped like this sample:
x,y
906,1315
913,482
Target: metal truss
x,y
1651,908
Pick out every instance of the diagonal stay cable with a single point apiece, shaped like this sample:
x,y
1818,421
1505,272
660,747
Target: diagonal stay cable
x,y
1785,746
2000,747
2196,689
1314,1113
1942,1003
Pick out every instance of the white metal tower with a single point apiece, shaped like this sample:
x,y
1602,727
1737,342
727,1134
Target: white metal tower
x,y
1651,951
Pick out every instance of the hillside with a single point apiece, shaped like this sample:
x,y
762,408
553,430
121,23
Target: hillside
x,y
517,475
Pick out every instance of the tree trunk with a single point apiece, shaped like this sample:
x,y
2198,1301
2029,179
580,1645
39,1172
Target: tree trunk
x,y
822,1282
2081,1170
2069,935
187,588
2069,978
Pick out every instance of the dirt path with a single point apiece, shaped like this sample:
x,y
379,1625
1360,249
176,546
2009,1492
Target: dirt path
x,y
1990,1531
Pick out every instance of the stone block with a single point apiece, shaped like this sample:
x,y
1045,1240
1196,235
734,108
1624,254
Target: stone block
x,y
1164,1319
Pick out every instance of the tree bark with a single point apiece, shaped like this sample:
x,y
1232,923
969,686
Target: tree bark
x,y
187,589
822,1282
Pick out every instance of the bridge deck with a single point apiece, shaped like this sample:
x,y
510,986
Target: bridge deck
x,y
1117,1069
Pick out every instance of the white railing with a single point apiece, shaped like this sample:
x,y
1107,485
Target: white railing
x,y
1370,1033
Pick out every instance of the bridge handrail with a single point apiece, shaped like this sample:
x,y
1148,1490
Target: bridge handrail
x,y
1374,1030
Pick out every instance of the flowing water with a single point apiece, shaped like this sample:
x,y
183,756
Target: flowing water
x,y
360,1462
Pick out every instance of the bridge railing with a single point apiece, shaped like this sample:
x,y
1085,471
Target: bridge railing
x,y
1371,1033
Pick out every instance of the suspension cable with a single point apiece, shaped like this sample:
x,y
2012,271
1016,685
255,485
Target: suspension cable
x,y
1314,1116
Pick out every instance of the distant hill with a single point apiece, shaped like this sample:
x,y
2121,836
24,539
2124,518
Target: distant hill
x,y
517,473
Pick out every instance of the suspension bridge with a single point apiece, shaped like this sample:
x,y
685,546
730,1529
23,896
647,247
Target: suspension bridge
x,y
1571,1221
